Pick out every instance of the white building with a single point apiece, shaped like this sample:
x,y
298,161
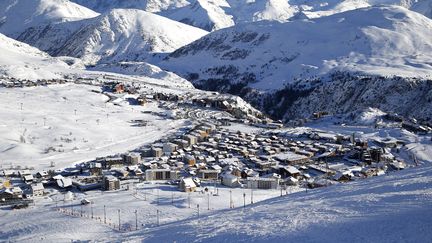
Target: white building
x,y
230,180
187,185
37,190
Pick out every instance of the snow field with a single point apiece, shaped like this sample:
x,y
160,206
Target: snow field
x,y
70,123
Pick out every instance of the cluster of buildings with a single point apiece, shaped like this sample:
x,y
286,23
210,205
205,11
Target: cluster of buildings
x,y
20,83
411,125
212,154
21,185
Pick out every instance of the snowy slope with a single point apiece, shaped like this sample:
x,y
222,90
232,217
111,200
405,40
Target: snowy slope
x,y
317,8
424,7
18,15
147,5
217,14
19,60
205,14
118,35
255,10
392,208
141,69
385,40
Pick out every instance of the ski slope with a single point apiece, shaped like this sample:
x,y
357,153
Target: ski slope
x,y
393,208
70,123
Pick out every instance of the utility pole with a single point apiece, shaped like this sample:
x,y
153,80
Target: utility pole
x,y
198,209
136,219
91,205
104,214
157,217
231,201
214,186
189,199
244,199
119,219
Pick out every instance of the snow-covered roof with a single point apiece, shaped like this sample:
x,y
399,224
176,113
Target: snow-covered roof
x,y
292,169
37,187
290,156
188,182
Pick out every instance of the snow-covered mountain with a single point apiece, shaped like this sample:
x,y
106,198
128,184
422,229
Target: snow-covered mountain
x,y
18,15
384,40
424,7
147,5
21,61
141,69
118,35
255,10
205,14
217,14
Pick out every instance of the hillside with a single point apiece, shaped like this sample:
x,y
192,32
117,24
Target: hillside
x,y
385,40
147,5
118,35
390,208
424,7
218,14
204,14
18,15
19,60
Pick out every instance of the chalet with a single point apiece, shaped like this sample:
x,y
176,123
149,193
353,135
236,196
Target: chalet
x,y
190,160
230,180
37,190
28,178
291,181
42,174
208,174
289,171
10,194
343,176
187,185
9,173
63,182
23,173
